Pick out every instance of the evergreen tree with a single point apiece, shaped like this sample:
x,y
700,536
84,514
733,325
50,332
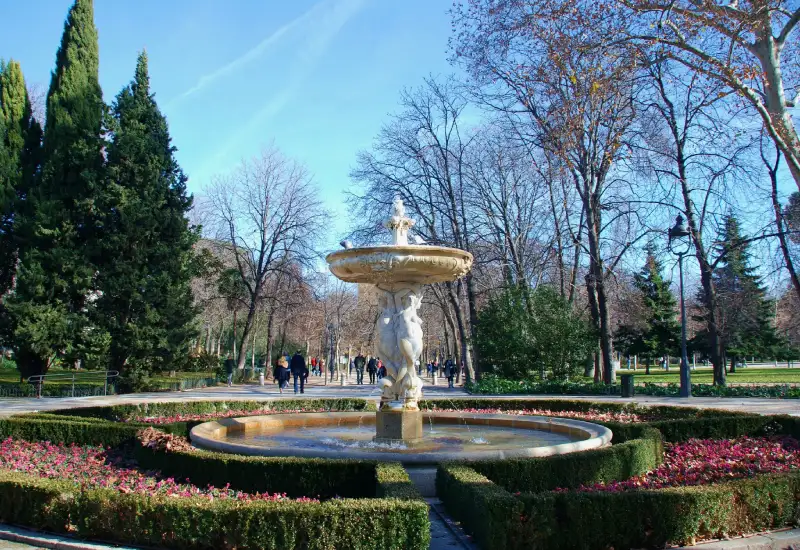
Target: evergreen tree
x,y
745,311
146,259
55,277
20,141
661,332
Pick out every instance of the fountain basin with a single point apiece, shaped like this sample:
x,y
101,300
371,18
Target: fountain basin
x,y
447,436
399,263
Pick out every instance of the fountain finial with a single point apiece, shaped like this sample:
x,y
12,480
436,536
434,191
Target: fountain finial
x,y
398,223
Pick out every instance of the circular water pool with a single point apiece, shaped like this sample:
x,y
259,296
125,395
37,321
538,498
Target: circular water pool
x,y
446,436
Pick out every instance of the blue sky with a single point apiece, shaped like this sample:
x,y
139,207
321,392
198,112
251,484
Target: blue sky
x,y
315,77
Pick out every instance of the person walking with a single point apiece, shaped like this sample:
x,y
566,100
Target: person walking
x,y
230,368
372,369
449,371
381,369
332,369
282,373
314,366
299,371
359,363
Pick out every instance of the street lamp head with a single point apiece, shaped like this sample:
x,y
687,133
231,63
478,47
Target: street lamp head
x,y
680,238
679,229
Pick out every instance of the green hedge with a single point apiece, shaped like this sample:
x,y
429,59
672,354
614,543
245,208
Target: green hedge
x,y
487,511
392,481
614,463
53,389
124,412
500,520
313,477
67,431
655,518
197,522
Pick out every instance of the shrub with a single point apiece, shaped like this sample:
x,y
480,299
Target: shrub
x,y
489,512
313,477
629,519
614,463
524,330
392,481
199,522
52,389
645,519
67,431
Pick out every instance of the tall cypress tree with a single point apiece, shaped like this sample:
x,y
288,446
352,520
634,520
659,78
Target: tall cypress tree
x,y
147,258
55,277
20,137
20,142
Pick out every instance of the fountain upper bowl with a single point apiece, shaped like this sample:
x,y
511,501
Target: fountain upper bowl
x,y
400,264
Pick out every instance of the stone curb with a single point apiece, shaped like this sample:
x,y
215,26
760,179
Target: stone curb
x,y
56,542
788,539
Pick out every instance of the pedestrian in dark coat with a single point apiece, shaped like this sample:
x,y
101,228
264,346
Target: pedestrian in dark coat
x,y
450,371
372,369
299,371
230,368
282,373
360,361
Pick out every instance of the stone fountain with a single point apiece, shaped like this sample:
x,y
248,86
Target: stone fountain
x,y
399,271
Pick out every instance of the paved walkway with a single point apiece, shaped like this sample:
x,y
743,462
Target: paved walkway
x,y
10,406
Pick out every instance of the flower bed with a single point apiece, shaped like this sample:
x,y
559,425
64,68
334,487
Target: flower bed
x,y
591,415
92,467
702,462
205,417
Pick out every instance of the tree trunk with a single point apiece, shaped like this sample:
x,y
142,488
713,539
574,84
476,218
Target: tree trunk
x,y
462,333
248,326
779,224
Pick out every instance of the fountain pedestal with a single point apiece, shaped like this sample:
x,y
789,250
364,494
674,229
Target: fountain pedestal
x,y
398,425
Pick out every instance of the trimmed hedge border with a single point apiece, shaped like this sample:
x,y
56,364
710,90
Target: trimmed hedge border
x,y
392,481
197,522
500,520
486,510
617,462
297,477
654,518
66,431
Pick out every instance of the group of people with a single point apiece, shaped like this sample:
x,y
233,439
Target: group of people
x,y
448,370
374,367
287,368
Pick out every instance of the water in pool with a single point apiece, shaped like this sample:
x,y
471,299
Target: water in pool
x,y
455,437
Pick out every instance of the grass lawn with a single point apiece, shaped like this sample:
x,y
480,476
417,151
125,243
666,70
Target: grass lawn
x,y
703,375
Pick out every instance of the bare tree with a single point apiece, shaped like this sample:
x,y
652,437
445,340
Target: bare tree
x,y
268,214
749,47
532,61
421,156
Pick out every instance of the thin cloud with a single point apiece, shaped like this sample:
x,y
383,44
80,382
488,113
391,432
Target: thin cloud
x,y
315,13
315,30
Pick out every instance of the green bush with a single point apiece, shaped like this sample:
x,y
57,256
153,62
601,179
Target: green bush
x,y
628,519
655,518
392,481
313,477
487,511
614,463
67,431
198,522
495,385
52,389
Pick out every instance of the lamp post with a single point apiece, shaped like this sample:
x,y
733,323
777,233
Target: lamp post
x,y
680,243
